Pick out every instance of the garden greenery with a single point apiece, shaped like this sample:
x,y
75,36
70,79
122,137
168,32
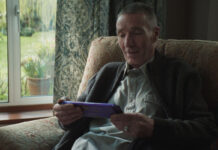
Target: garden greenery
x,y
37,20
39,65
34,67
3,87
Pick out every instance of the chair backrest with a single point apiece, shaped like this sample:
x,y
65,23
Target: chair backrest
x,y
202,55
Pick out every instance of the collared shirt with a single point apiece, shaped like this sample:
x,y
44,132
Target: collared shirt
x,y
134,95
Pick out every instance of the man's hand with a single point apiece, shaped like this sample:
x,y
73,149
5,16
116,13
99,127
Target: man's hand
x,y
136,125
67,113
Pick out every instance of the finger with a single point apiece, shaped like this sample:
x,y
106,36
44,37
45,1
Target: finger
x,y
121,118
68,113
69,121
117,117
118,125
120,121
57,107
66,119
65,108
60,101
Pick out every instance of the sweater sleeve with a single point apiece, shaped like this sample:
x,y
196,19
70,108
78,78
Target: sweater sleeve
x,y
81,98
94,88
196,123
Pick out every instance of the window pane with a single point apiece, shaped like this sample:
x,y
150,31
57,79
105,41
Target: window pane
x,y
3,54
37,36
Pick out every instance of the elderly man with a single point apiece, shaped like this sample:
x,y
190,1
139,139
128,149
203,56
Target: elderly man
x,y
160,97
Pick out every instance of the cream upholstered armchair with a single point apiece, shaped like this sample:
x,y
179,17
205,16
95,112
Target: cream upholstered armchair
x,y
43,134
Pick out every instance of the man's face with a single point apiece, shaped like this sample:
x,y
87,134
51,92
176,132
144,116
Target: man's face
x,y
136,38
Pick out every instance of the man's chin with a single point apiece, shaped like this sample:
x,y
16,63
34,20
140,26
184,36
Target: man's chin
x,y
133,64
133,55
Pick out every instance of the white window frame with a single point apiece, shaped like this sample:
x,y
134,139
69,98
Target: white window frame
x,y
14,69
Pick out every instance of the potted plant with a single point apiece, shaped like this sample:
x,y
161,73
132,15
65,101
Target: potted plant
x,y
38,71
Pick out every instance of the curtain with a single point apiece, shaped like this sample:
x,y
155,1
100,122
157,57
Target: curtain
x,y
78,23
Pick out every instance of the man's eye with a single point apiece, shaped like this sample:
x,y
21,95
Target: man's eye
x,y
137,32
121,35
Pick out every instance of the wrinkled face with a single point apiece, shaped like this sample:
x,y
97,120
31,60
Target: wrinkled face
x,y
136,38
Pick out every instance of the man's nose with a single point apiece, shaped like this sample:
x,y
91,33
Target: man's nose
x,y
129,41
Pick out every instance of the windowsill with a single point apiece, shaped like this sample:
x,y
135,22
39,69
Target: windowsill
x,y
17,114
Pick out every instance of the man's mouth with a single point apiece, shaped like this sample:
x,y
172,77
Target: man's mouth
x,y
132,52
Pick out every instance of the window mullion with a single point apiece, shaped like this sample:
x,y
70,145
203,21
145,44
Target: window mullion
x,y
14,52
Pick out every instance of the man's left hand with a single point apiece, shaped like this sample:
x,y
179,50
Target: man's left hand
x,y
136,125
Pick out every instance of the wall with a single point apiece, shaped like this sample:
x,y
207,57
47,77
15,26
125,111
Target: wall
x,y
192,19
198,19
176,22
212,33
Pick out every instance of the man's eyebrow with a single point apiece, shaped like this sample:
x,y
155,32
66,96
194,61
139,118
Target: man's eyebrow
x,y
131,29
137,28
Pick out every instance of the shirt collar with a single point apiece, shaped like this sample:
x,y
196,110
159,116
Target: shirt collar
x,y
143,67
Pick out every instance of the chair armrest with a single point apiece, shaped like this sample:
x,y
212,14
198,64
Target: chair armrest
x,y
40,134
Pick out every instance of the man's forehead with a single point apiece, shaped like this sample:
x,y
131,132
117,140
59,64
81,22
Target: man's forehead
x,y
131,22
133,28
133,16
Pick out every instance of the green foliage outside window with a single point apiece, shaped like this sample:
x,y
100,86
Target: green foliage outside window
x,y
37,25
39,65
3,87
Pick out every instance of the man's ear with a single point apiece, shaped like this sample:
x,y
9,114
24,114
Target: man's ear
x,y
156,32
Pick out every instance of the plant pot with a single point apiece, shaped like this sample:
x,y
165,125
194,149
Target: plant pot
x,y
38,86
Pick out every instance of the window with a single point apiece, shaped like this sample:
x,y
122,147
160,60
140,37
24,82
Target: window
x,y
27,45
3,53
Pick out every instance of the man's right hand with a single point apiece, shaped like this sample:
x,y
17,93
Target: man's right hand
x,y
67,113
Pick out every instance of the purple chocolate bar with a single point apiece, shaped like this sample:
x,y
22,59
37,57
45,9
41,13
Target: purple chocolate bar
x,y
96,110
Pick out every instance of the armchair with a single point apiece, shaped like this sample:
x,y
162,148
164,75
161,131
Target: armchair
x,y
43,134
